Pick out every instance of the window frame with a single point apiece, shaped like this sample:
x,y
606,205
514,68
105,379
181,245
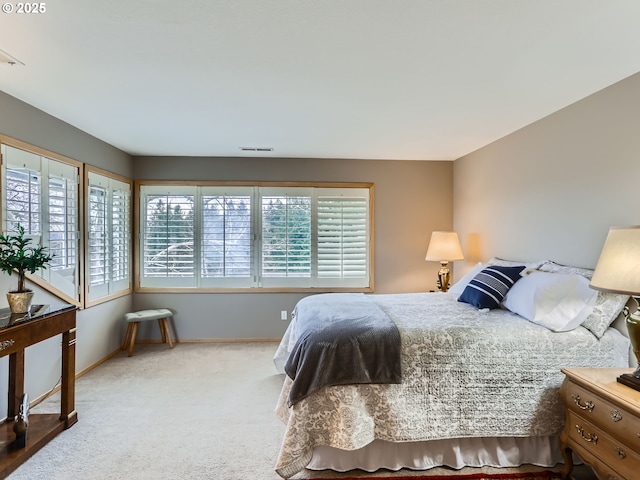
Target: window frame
x,y
56,163
254,288
112,288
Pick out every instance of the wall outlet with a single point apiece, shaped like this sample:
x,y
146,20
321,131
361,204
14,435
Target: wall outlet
x,y
283,315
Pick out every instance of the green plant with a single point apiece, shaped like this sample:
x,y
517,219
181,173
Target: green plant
x,y
17,254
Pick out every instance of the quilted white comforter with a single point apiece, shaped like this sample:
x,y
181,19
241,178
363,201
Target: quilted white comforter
x,y
466,373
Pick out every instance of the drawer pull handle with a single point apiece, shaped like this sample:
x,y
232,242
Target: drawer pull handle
x,y
588,405
616,416
621,453
591,438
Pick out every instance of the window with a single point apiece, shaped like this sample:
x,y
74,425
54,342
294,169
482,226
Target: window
x,y
169,238
255,236
342,236
286,248
41,194
108,236
226,239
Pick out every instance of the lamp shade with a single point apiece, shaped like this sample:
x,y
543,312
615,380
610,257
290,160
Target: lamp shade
x,y
618,268
444,246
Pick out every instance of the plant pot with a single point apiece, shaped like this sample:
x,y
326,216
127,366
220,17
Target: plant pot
x,y
19,302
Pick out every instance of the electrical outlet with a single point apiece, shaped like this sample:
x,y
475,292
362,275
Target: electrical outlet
x,y
283,315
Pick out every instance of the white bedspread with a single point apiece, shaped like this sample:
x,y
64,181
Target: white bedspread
x,y
465,374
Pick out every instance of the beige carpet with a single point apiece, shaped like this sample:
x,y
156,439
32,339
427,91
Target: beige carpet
x,y
199,411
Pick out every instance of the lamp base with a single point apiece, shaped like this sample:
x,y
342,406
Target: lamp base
x,y
633,328
629,380
443,276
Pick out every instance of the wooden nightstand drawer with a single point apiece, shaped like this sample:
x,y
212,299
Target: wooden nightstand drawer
x,y
617,455
600,412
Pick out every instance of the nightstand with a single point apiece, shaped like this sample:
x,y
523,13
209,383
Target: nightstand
x,y
602,423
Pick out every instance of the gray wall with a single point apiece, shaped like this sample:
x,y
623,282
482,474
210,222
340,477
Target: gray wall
x,y
411,200
99,329
553,189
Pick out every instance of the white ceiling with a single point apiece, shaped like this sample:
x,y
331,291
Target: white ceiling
x,y
378,79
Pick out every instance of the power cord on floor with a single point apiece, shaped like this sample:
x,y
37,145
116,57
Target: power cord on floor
x,y
42,398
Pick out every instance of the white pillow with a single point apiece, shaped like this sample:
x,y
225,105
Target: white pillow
x,y
559,302
458,287
608,305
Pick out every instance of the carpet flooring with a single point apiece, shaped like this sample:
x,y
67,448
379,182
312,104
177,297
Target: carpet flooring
x,y
200,411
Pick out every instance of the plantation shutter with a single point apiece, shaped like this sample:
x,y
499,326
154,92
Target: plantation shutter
x,y
62,226
108,236
120,235
286,236
343,237
226,248
255,236
168,237
41,194
23,191
98,244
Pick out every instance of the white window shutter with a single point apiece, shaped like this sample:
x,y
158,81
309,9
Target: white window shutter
x,y
255,236
286,236
168,239
343,240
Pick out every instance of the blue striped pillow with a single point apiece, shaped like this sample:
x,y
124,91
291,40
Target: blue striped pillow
x,y
488,288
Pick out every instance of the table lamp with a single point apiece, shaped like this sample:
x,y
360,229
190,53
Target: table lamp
x,y
444,247
618,271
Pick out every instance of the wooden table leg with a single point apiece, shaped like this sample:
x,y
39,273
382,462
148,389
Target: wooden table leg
x,y
16,382
67,409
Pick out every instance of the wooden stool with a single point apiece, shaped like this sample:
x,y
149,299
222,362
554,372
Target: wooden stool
x,y
160,314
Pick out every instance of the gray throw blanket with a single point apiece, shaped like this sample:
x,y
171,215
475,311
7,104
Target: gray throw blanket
x,y
343,338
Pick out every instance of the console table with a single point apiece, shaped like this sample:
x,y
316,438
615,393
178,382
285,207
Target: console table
x,y
18,331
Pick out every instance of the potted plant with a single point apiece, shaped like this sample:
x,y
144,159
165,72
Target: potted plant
x,y
17,254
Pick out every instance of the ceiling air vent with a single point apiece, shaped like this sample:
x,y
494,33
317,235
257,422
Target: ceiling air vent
x,y
6,59
257,149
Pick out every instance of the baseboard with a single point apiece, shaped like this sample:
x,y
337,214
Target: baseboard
x,y
229,340
98,363
213,340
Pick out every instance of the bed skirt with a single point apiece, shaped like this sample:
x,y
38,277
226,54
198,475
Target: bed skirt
x,y
455,453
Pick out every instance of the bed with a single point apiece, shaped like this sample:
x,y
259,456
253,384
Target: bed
x,y
480,386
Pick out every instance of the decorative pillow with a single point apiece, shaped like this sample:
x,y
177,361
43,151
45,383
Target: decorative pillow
x,y
513,263
488,288
557,301
554,267
458,287
608,305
